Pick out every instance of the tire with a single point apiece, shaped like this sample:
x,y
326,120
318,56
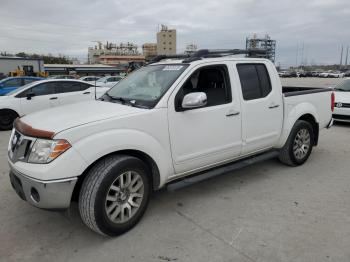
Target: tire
x,y
101,207
292,156
7,117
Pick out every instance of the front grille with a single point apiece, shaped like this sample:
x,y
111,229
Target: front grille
x,y
342,117
20,147
339,104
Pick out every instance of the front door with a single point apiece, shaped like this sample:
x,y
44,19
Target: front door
x,y
37,98
209,135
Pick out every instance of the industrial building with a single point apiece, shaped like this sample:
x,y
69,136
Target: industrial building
x,y
265,44
10,64
114,60
149,50
166,41
128,50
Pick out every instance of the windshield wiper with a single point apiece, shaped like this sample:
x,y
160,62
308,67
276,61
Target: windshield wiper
x,y
116,98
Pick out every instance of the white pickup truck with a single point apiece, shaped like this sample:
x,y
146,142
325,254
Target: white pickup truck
x,y
170,123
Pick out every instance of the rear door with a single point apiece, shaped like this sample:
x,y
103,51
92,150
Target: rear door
x,y
69,92
262,110
203,137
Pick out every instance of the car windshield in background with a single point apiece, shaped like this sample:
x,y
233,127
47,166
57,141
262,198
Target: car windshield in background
x,y
17,90
147,85
343,86
102,79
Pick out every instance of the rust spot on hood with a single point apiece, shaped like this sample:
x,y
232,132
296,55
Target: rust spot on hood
x,y
28,130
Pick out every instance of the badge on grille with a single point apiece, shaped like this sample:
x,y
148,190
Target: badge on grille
x,y
339,104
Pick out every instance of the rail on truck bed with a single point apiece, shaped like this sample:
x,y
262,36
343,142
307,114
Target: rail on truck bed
x,y
297,90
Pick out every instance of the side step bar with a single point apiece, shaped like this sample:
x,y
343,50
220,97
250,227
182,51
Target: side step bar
x,y
185,182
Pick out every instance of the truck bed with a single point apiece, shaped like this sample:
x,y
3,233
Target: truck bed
x,y
299,90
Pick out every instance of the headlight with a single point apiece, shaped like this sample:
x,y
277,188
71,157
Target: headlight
x,y
44,151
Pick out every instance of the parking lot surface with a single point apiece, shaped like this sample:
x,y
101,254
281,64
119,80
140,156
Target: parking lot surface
x,y
265,212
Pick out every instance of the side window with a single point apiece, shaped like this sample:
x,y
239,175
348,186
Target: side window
x,y
67,87
84,86
40,90
213,81
111,79
255,81
15,82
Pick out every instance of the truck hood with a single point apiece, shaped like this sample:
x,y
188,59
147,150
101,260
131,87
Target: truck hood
x,y
343,97
61,118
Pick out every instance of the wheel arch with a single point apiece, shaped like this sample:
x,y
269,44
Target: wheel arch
x,y
315,126
303,111
148,160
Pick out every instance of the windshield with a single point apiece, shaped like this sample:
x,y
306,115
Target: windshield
x,y
147,85
103,79
343,86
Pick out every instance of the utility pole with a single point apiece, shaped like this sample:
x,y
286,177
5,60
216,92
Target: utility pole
x,y
346,57
296,57
341,57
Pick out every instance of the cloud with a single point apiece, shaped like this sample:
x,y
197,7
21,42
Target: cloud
x,y
69,27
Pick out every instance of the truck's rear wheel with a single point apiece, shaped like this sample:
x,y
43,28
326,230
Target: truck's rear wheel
x,y
115,194
6,119
299,144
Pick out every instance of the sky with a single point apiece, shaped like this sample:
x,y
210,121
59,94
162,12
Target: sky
x,y
69,27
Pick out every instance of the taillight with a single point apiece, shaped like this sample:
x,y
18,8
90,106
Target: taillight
x,y
332,101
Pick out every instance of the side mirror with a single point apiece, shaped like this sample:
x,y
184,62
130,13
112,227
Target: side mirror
x,y
30,95
194,100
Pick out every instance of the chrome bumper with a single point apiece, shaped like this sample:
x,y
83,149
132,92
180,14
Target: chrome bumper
x,y
52,194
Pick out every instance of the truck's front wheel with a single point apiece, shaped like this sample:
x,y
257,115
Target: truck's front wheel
x,y
115,194
299,144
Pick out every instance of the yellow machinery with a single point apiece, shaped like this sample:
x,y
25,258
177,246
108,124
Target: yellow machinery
x,y
27,71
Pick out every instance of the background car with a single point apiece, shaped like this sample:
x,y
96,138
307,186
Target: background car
x,y
12,83
108,81
342,101
336,75
44,94
90,79
62,77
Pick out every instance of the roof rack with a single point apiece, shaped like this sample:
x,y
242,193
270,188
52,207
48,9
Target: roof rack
x,y
207,53
162,57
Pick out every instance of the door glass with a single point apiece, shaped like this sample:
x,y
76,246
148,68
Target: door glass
x,y
213,81
67,87
255,81
40,90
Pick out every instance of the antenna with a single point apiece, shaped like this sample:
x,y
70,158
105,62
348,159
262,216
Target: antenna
x,y
95,90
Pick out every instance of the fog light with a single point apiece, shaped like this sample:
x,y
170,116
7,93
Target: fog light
x,y
34,195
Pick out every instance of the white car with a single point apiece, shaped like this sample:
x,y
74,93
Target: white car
x,y
336,75
342,101
108,81
171,123
90,79
44,94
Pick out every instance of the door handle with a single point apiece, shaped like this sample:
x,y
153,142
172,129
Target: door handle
x,y
53,98
232,113
86,93
273,106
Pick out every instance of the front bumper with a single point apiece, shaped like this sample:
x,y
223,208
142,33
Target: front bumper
x,y
51,194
